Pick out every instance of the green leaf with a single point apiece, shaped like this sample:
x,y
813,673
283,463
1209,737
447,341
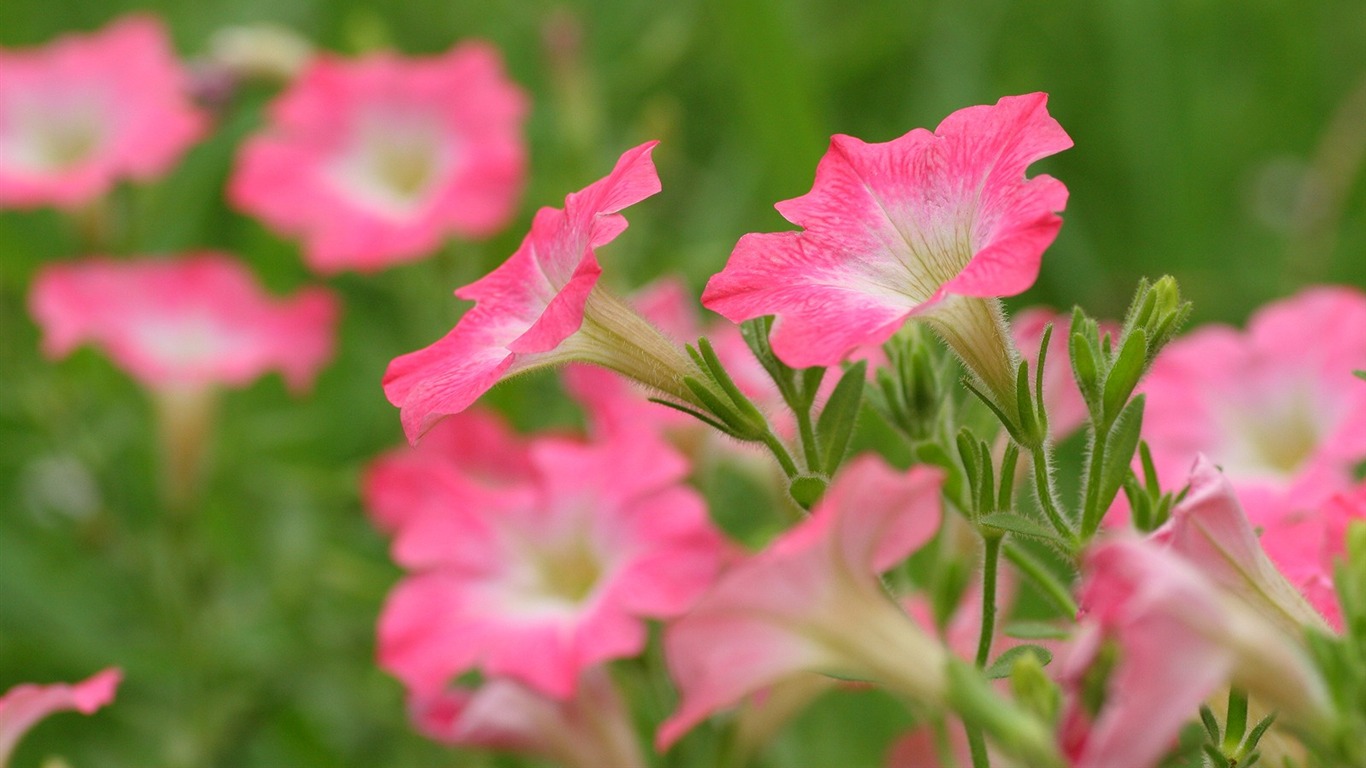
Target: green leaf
x,y
1008,521
1030,425
1002,665
1035,630
1124,374
836,423
1007,494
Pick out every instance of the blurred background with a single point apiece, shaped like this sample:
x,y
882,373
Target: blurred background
x,y
1223,143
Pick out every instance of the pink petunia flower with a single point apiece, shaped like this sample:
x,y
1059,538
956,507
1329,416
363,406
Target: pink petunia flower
x,y
1276,407
543,307
23,706
1306,546
930,225
590,730
185,323
1210,530
540,581
376,161
1180,638
812,602
88,110
470,453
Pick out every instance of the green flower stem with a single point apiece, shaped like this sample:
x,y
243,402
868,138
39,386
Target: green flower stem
x,y
1053,590
991,557
1090,513
808,438
780,452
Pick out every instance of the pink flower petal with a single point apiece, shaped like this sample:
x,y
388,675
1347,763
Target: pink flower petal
x,y
890,229
375,161
193,321
87,110
23,706
525,308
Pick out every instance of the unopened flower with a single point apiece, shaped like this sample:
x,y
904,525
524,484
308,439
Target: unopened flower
x,y
87,110
812,602
543,307
377,161
540,581
185,323
23,706
1179,639
1275,407
592,729
933,225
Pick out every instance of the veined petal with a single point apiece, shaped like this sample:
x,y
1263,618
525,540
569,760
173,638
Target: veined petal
x,y
889,229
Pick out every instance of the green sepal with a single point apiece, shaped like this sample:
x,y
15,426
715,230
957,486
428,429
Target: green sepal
x,y
1124,374
1120,445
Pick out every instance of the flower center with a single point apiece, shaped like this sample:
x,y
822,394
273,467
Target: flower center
x,y
54,137
569,572
392,165
1274,437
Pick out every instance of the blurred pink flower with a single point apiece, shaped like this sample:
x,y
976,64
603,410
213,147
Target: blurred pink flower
x,y
470,453
1276,407
87,110
812,602
590,730
539,581
23,706
907,228
1209,529
543,307
1306,544
185,323
1180,638
376,161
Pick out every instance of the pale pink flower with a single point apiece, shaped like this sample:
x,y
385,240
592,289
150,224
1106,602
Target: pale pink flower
x,y
185,323
812,602
590,730
1276,407
471,453
87,110
376,161
543,307
23,706
1211,531
1180,638
925,225
540,581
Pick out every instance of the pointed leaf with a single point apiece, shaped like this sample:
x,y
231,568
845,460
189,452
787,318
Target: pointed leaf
x,y
836,423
